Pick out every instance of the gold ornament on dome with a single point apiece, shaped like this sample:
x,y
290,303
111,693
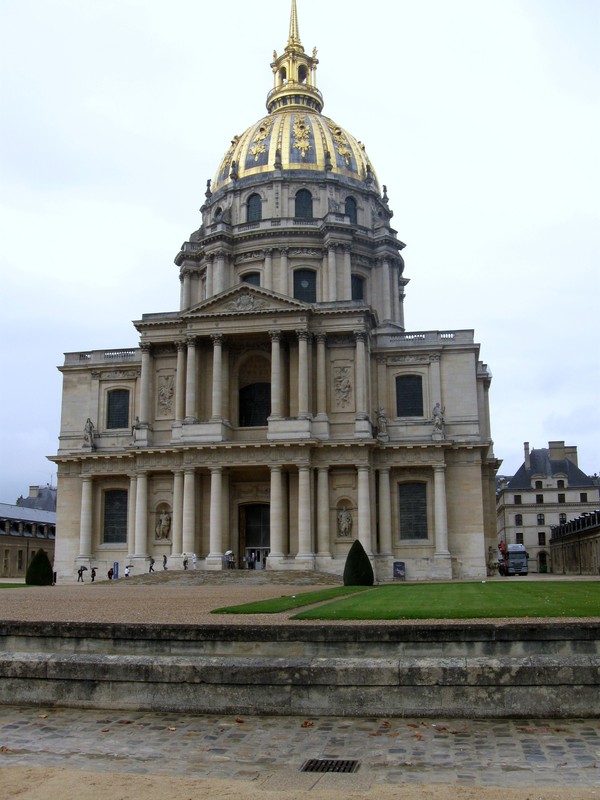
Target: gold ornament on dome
x,y
231,151
341,143
302,134
259,148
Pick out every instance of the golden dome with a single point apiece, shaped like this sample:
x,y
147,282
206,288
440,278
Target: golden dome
x,y
295,136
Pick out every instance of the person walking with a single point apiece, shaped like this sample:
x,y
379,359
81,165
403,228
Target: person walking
x,y
126,572
110,574
151,565
185,563
164,562
93,574
80,575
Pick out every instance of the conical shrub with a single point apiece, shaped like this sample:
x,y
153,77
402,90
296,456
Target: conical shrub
x,y
39,571
358,570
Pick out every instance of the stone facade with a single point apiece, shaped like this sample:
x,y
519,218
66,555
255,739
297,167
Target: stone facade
x,y
548,490
283,410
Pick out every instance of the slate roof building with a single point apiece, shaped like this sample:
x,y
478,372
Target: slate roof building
x,y
284,409
23,531
546,491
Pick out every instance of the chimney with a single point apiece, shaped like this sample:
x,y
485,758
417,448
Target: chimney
x,y
557,451
571,454
527,459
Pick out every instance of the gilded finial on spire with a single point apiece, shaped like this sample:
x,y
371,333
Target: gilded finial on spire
x,y
294,74
294,38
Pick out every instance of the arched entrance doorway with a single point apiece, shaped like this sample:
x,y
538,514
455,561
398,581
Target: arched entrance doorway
x,y
255,534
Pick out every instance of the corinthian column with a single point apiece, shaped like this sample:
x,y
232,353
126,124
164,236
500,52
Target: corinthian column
x,y
302,374
216,512
190,381
385,512
268,268
323,546
441,517
304,513
189,511
321,375
361,374
180,382
332,273
177,526
217,378
145,384
275,374
364,508
276,512
85,519
141,515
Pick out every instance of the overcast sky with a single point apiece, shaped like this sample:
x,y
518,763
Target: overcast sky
x,y
482,118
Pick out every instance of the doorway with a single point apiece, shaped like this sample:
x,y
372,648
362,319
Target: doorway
x,y
255,535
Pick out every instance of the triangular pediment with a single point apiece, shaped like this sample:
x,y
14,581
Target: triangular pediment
x,y
245,299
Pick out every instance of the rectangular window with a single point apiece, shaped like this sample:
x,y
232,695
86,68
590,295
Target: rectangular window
x,y
19,560
541,538
519,537
6,560
538,484
117,415
518,519
541,519
561,498
409,396
115,517
560,484
583,497
539,499
413,511
517,499
562,518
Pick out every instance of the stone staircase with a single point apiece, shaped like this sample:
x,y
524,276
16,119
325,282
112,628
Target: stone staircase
x,y
249,577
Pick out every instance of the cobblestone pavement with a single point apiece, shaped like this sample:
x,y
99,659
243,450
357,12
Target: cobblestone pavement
x,y
272,750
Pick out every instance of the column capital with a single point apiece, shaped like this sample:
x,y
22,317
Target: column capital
x,y
360,336
145,347
303,335
191,341
276,336
321,337
268,251
217,338
180,345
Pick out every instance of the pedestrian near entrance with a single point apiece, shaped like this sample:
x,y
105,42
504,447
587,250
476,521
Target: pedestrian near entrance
x,y
164,562
185,563
110,574
93,574
151,565
231,561
126,572
80,575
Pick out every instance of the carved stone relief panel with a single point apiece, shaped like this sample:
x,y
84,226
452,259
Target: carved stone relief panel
x,y
343,386
165,395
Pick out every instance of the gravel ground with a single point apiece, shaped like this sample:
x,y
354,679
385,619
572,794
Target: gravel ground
x,y
160,603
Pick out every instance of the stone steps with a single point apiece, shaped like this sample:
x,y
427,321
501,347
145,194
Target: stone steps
x,y
259,577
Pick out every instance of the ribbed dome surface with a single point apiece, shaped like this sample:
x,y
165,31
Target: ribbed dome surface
x,y
294,139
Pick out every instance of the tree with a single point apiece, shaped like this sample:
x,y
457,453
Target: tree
x,y
39,571
358,570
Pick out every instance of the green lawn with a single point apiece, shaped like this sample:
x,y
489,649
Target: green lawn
x,y
480,600
290,601
12,585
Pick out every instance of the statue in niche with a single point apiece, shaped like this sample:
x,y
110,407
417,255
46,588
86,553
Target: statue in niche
x,y
344,522
88,434
163,525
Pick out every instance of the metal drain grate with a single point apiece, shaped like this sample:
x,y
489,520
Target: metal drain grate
x,y
330,765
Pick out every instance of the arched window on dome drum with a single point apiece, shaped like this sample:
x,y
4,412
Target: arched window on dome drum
x,y
305,285
358,287
253,278
304,205
350,210
255,405
302,74
282,75
254,206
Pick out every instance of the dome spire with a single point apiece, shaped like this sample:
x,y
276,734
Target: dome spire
x,y
294,38
294,74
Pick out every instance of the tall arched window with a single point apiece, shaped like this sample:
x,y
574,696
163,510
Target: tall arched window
x,y
358,287
304,204
350,209
117,412
413,510
115,516
409,396
305,285
255,405
254,208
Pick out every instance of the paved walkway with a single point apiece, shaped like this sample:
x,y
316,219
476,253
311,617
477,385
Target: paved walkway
x,y
271,751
